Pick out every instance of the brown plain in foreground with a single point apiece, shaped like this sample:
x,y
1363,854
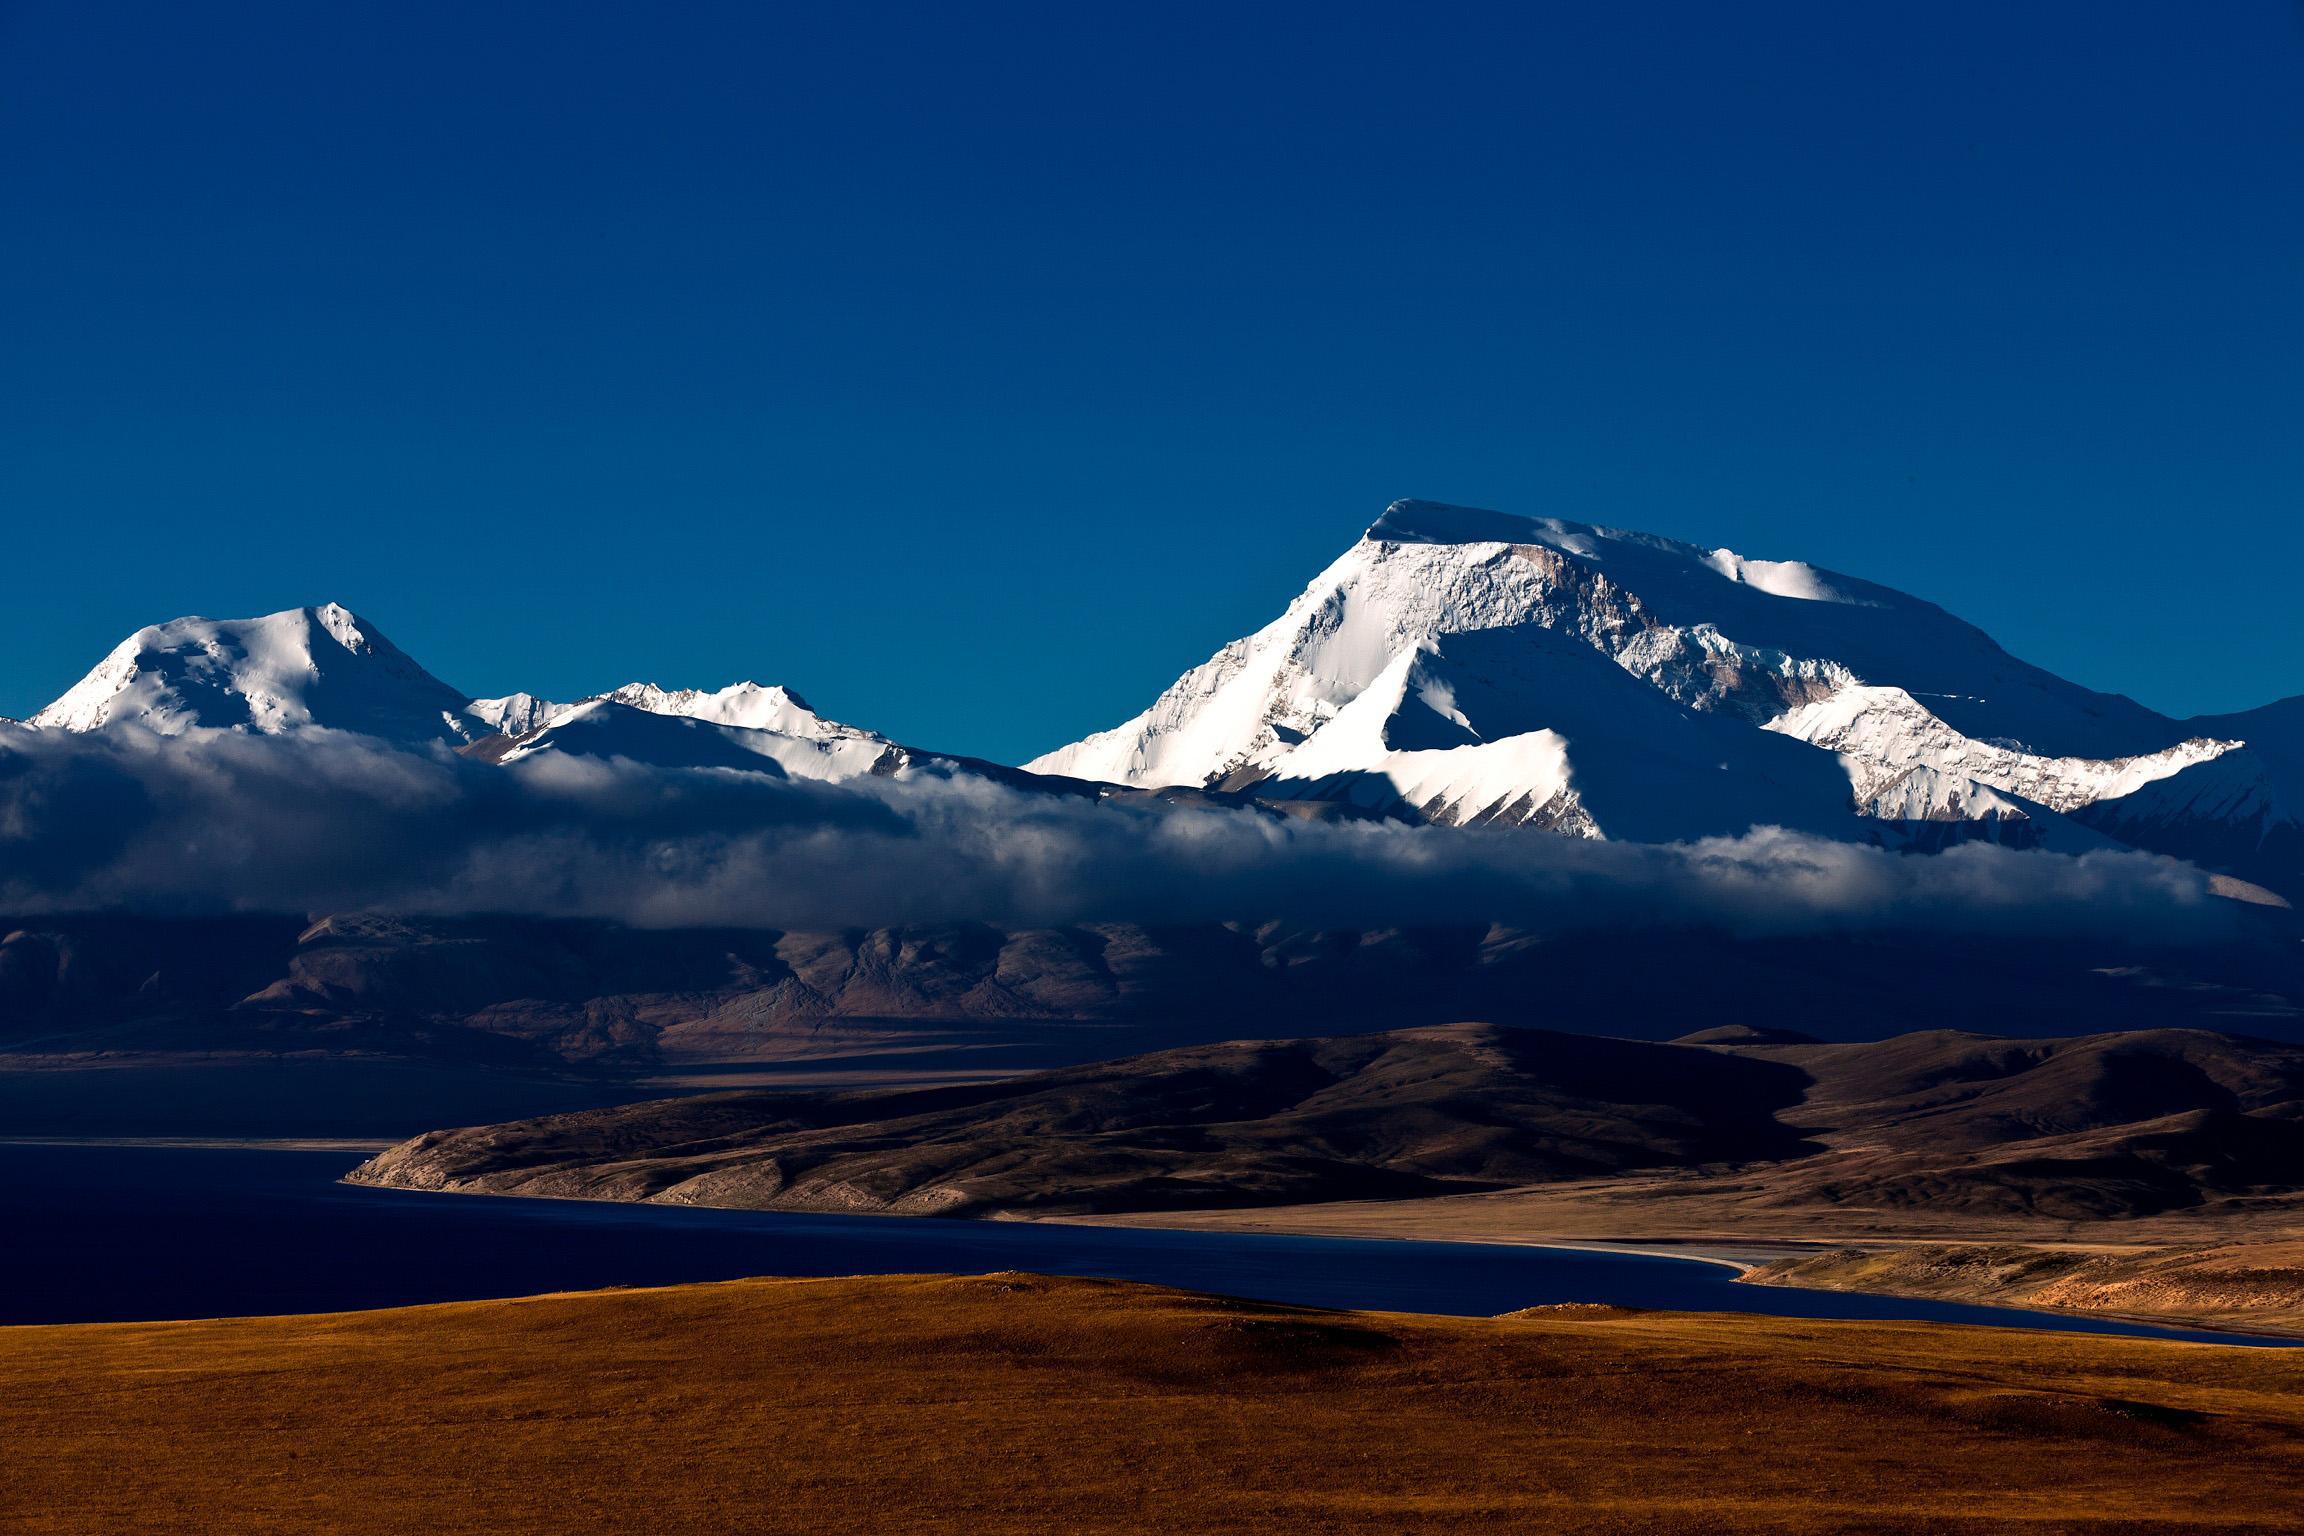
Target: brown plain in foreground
x,y
1024,1404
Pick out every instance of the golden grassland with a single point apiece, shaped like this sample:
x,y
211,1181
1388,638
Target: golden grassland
x,y
1025,1404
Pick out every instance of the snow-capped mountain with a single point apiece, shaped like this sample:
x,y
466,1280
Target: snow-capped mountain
x,y
676,738
2242,811
328,668
1453,666
1884,732
747,705
1465,665
1527,726
323,666
751,706
516,714
747,725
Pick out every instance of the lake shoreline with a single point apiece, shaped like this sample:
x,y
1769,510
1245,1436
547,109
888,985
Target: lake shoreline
x,y
1749,1257
140,1230
1744,1257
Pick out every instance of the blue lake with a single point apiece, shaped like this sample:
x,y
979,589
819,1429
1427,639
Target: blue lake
x,y
101,1233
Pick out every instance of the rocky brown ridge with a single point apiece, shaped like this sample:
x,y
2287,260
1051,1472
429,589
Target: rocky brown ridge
x,y
1406,1113
1928,1131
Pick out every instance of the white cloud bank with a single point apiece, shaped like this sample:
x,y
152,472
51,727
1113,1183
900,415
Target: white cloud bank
x,y
330,822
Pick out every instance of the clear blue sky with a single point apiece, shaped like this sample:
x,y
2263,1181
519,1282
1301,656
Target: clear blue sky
x,y
978,368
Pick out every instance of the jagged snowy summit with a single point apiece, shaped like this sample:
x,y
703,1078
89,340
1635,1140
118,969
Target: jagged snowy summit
x,y
326,667
1460,664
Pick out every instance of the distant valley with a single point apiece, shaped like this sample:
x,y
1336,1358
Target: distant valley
x,y
1523,877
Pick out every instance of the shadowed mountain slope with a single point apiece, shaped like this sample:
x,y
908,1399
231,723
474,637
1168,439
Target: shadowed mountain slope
x,y
2100,1127
1462,665
610,997
2103,1126
1245,1122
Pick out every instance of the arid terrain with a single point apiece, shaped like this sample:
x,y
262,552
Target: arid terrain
x,y
2231,1273
2143,1151
1938,1134
2247,1285
1024,1404
1408,1113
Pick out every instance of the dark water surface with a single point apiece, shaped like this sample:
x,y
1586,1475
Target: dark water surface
x,y
124,1233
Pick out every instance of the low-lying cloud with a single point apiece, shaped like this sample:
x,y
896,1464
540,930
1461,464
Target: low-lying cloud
x,y
330,822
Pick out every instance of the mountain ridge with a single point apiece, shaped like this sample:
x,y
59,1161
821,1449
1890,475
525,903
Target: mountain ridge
x,y
1359,691
275,673
1456,666
2097,1128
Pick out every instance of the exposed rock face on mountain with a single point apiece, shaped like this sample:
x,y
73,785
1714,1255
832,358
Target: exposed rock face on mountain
x,y
1462,665
2097,1128
563,993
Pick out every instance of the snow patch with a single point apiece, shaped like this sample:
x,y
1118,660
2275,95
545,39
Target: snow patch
x,y
1886,731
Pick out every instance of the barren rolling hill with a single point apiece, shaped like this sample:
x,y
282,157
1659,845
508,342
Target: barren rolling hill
x,y
1015,1403
1922,1134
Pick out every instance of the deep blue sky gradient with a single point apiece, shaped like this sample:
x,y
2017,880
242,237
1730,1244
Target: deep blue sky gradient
x,y
977,369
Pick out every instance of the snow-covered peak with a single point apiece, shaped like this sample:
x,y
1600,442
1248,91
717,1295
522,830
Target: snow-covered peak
x,y
1453,665
607,727
516,714
1461,664
753,706
1431,522
604,728
1425,575
747,706
1715,627
299,668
